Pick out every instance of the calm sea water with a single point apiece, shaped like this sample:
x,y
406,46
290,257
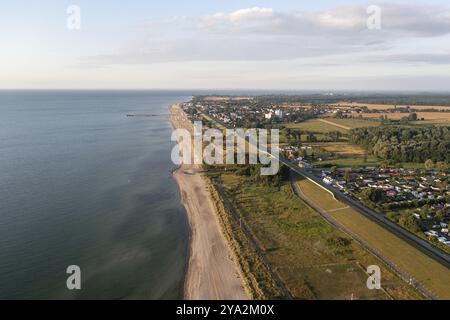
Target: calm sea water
x,y
82,184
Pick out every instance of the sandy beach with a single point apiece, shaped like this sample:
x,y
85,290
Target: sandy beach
x,y
211,273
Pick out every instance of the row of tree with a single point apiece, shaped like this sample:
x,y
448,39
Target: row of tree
x,y
405,144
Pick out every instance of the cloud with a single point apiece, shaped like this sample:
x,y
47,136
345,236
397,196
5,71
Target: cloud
x,y
267,21
414,58
419,20
260,34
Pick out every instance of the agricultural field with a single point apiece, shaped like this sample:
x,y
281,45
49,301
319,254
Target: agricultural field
x,y
371,106
315,125
428,272
340,148
341,154
324,125
314,259
353,122
436,122
442,117
350,162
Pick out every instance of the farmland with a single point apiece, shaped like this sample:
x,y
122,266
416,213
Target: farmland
x,y
353,122
315,125
427,116
387,106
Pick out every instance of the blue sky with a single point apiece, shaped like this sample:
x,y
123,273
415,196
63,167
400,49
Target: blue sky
x,y
232,44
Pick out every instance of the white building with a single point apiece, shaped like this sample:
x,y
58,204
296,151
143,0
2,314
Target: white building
x,y
279,113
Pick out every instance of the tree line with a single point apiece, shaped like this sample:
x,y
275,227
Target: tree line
x,y
405,144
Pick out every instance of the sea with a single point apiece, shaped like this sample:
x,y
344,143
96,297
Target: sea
x,y
83,183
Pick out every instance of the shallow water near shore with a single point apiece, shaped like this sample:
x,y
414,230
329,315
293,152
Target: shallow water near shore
x,y
83,184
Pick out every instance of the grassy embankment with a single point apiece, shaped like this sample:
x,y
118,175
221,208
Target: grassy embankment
x,y
431,274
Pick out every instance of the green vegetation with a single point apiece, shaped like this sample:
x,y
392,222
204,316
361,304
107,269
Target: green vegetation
x,y
355,122
259,282
372,194
405,144
350,161
313,259
315,126
424,269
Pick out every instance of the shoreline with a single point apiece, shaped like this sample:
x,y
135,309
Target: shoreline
x,y
211,273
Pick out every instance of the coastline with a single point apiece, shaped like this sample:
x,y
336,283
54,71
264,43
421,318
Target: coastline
x,y
211,272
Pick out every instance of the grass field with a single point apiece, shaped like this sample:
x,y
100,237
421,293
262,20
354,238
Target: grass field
x,y
432,275
438,122
315,125
353,122
313,258
353,162
346,155
332,124
342,148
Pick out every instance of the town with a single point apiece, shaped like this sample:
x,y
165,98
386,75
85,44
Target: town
x,y
418,201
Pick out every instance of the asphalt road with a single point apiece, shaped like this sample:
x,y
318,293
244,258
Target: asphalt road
x,y
417,242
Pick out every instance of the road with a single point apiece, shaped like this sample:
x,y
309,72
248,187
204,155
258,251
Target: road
x,y
380,219
412,239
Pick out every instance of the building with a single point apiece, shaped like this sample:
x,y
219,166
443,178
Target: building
x,y
279,113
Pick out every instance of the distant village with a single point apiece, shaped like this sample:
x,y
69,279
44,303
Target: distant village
x,y
244,112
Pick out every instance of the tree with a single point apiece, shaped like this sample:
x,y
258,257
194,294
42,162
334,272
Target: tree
x,y
441,165
440,215
372,194
412,117
429,164
347,175
408,221
333,171
338,114
424,212
303,153
404,144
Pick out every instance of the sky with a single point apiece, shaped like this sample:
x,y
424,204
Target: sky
x,y
225,44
